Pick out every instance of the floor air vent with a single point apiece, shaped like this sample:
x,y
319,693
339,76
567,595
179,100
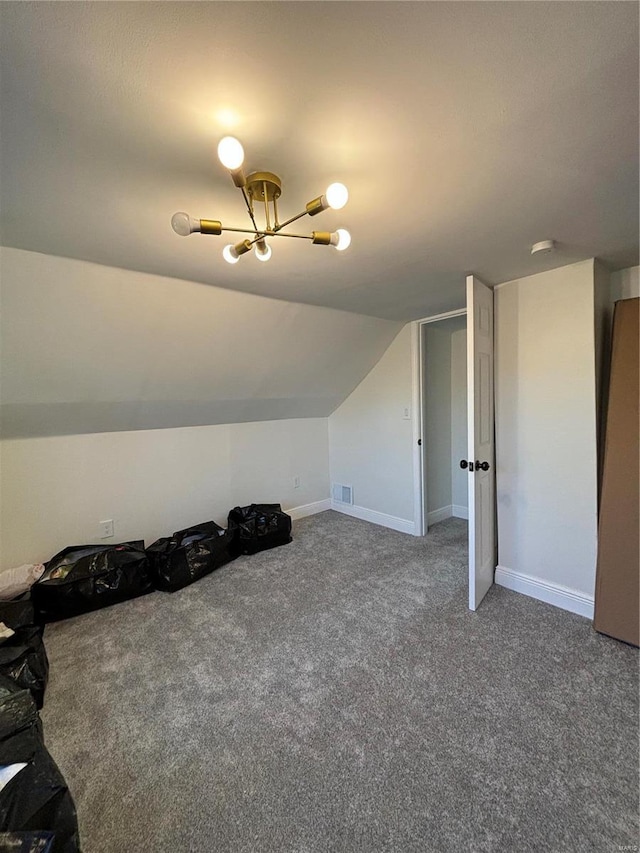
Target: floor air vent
x,y
342,494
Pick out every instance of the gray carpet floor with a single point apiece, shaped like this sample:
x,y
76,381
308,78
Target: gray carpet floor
x,y
337,695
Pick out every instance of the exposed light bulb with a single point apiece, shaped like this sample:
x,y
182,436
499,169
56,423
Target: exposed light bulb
x,y
231,153
341,239
337,195
230,254
183,224
263,250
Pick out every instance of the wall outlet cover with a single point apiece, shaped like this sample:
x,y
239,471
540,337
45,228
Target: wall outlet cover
x,y
106,528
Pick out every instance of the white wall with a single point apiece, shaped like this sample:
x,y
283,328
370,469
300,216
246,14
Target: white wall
x,y
459,478
437,417
370,444
546,427
55,490
625,284
90,348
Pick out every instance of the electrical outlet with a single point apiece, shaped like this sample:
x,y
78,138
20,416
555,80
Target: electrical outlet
x,y
406,413
296,482
106,528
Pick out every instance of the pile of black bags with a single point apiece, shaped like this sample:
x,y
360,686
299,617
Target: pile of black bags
x,y
190,554
37,812
82,578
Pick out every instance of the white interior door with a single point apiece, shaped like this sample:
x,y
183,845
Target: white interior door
x,y
481,454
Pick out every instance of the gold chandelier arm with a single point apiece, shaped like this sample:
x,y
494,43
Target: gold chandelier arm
x,y
245,231
249,208
266,205
281,234
271,233
275,234
289,221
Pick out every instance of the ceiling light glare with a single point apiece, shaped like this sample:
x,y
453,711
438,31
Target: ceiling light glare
x,y
231,153
337,195
227,118
183,224
230,254
341,239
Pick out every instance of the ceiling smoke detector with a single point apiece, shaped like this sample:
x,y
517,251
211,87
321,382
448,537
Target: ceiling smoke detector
x,y
543,247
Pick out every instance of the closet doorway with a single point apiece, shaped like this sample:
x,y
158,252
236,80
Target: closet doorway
x,y
443,415
453,353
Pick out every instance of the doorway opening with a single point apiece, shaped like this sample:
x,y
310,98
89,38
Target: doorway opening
x,y
444,419
440,357
479,461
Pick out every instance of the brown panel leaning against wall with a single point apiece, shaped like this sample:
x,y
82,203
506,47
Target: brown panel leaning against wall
x,y
617,599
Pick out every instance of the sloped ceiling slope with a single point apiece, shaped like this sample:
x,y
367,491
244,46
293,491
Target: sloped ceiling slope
x,y
465,132
90,348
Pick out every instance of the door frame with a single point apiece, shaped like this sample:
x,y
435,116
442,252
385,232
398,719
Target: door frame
x,y
417,404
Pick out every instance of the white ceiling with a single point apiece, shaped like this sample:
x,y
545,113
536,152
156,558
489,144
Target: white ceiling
x,y
464,131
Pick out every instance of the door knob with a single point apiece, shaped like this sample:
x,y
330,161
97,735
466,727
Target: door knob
x,y
464,463
482,466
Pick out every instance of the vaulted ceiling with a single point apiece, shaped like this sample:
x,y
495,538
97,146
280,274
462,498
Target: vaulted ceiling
x,y
464,131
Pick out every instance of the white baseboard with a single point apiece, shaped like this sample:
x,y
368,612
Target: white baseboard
x,y
309,509
437,515
551,593
403,525
453,511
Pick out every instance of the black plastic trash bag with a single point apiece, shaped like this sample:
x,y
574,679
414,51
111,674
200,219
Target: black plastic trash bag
x,y
258,527
23,659
17,614
17,708
27,842
188,555
22,656
86,577
35,797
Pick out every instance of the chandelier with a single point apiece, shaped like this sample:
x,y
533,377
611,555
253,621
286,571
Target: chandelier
x,y
261,190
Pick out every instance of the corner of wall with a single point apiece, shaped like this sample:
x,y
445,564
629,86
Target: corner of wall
x,y
625,284
602,318
370,437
